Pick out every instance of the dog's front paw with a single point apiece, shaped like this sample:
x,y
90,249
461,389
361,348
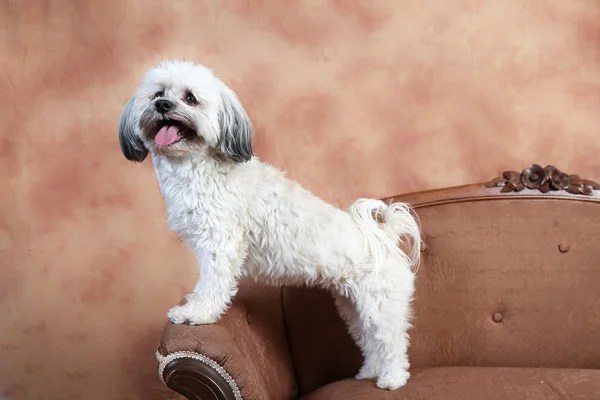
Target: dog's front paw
x,y
393,381
189,313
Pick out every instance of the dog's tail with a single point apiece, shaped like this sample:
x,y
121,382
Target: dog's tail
x,y
389,228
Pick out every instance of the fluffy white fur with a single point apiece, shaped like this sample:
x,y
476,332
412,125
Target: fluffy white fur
x,y
243,218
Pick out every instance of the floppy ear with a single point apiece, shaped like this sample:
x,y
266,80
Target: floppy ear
x,y
131,145
236,128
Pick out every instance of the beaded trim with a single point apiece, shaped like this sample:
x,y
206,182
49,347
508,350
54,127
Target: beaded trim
x,y
164,360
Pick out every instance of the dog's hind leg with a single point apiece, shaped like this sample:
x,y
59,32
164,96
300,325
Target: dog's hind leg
x,y
391,326
349,315
384,311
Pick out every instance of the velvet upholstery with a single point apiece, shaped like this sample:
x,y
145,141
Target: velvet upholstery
x,y
249,342
475,383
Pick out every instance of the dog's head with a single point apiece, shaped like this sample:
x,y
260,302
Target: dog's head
x,y
181,109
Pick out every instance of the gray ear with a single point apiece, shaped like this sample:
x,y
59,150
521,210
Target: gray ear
x,y
131,145
236,128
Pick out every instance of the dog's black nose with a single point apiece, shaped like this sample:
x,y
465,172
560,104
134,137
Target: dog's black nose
x,y
163,106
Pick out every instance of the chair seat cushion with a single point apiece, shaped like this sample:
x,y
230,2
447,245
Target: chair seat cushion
x,y
474,383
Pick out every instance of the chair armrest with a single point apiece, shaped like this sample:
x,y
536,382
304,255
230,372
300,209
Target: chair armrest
x,y
245,355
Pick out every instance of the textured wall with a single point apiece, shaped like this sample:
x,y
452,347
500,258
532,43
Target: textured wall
x,y
352,97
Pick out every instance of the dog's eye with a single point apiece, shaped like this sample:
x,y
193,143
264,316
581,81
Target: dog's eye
x,y
160,93
190,99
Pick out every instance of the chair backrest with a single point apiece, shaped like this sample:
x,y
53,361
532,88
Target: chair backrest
x,y
510,276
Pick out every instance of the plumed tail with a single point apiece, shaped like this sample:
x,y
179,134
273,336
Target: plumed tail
x,y
389,229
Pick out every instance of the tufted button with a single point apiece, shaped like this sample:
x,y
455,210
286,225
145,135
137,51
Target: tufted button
x,y
563,248
249,319
423,247
497,317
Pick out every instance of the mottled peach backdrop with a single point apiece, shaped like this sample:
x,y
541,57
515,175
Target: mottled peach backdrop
x,y
352,97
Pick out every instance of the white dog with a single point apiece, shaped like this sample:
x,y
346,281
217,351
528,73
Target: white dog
x,y
244,218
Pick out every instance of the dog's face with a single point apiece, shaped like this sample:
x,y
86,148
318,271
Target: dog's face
x,y
182,109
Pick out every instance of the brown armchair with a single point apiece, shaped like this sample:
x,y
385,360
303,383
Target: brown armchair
x,y
507,307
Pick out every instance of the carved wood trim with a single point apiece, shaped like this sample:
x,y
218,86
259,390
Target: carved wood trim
x,y
544,180
196,381
196,376
578,190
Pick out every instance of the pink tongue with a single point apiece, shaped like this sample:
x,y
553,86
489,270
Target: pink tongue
x,y
167,135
